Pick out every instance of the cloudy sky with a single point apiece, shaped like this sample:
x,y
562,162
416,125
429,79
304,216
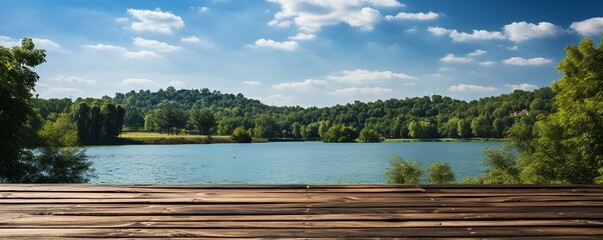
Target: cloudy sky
x,y
300,52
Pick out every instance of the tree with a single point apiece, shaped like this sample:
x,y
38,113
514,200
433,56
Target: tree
x,y
440,173
340,133
415,130
83,121
265,127
202,120
59,133
17,80
502,167
96,120
463,128
480,127
134,119
404,172
240,135
369,135
568,145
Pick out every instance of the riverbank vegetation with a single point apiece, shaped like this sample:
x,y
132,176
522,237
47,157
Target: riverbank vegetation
x,y
564,147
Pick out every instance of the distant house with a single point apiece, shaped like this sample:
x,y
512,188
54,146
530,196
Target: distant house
x,y
522,112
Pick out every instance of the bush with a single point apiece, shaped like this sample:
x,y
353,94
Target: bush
x,y
403,172
370,135
340,133
240,135
440,173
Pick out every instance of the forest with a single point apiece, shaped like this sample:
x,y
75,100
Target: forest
x,y
214,113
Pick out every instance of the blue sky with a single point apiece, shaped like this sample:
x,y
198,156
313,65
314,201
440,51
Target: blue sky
x,y
304,52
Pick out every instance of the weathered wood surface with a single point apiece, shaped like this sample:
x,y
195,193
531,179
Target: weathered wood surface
x,y
301,211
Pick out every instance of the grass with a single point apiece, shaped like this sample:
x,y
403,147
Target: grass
x,y
162,138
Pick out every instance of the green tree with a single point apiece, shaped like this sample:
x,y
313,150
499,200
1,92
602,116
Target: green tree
x,y
404,172
340,133
463,128
96,122
203,120
480,127
568,145
134,119
415,130
265,127
59,133
369,135
440,173
240,135
501,167
83,121
17,80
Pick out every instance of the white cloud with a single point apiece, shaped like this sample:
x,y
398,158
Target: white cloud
x,y
300,86
72,79
470,88
523,86
141,54
203,9
477,53
124,51
311,15
303,37
107,47
476,35
129,82
122,20
365,90
46,44
462,36
155,21
362,76
63,90
277,99
524,62
284,46
8,42
191,39
487,63
514,48
413,16
589,27
451,58
521,31
155,45
438,31
252,82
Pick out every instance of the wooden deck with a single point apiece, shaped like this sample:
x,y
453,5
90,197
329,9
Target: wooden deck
x,y
301,211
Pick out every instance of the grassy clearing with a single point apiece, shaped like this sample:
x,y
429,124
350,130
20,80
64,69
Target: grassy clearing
x,y
161,138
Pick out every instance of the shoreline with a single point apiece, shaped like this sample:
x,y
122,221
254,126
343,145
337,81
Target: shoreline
x,y
164,139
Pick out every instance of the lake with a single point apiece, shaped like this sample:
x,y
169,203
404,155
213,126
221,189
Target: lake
x,y
275,163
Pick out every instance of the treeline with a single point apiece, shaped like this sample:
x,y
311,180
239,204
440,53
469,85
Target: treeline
x,y
212,112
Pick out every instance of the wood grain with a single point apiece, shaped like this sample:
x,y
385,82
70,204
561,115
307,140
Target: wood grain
x,y
56,211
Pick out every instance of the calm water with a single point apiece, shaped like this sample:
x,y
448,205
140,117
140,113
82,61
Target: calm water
x,y
267,163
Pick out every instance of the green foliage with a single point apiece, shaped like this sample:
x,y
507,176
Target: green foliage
x,y
98,123
403,172
502,167
59,133
169,119
17,80
57,165
440,173
340,133
240,135
567,146
369,135
202,120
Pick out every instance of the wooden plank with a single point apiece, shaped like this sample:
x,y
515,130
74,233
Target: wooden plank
x,y
312,233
